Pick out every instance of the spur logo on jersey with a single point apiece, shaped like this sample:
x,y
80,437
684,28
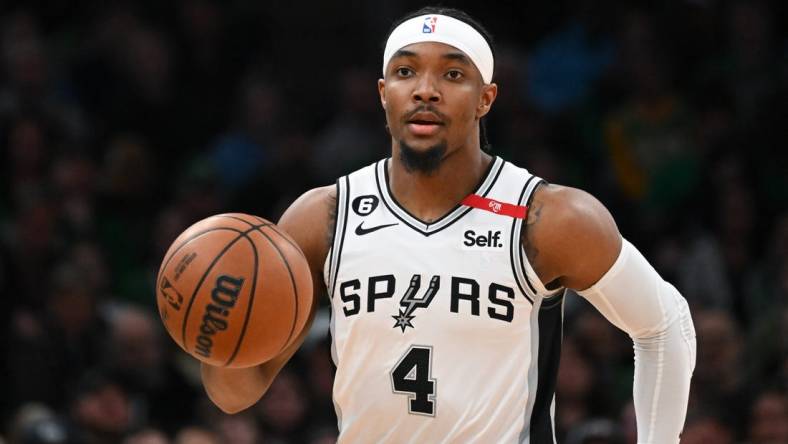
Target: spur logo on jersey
x,y
411,302
465,297
429,25
494,206
482,239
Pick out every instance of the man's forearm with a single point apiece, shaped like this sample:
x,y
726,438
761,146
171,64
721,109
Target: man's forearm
x,y
663,367
637,300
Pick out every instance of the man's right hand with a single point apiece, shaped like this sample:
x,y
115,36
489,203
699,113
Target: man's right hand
x,y
310,222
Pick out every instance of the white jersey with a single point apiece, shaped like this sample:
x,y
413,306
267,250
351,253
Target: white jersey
x,y
441,331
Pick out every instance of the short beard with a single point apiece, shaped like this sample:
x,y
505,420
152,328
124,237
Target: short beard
x,y
426,162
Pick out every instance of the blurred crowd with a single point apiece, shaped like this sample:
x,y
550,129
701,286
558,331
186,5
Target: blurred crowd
x,y
121,123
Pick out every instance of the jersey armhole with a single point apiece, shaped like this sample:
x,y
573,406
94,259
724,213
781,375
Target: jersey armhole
x,y
527,279
333,257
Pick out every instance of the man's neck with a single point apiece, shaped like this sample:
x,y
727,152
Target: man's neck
x,y
429,197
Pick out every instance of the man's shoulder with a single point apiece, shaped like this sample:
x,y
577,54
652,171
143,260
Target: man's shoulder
x,y
562,222
310,220
565,203
568,210
317,196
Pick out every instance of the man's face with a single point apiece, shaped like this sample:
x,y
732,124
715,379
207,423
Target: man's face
x,y
434,96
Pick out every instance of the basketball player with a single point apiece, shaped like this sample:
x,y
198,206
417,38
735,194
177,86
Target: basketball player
x,y
446,269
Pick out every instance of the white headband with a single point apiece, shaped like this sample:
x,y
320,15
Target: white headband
x,y
442,29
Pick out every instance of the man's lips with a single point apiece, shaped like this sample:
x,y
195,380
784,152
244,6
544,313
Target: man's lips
x,y
424,123
424,128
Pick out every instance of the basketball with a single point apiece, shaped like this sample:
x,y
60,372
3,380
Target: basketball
x,y
234,290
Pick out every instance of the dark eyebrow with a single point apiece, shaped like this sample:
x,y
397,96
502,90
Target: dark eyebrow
x,y
458,56
403,53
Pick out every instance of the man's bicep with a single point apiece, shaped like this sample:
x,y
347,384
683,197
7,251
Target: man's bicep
x,y
576,236
309,221
599,242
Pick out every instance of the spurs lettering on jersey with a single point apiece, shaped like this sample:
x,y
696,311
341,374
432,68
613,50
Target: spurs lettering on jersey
x,y
462,291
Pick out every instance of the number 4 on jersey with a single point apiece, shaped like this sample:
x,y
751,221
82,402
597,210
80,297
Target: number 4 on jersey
x,y
413,376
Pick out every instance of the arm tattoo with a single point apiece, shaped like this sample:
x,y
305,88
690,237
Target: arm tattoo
x,y
527,235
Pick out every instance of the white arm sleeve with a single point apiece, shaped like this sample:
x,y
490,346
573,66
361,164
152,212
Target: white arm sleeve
x,y
637,300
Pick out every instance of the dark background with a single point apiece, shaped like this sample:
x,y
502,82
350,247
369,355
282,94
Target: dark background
x,y
121,123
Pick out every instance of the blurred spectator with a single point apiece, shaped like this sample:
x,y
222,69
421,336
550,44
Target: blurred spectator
x,y
564,66
50,351
73,177
320,377
244,153
718,266
705,430
36,424
628,424
147,436
137,357
26,145
769,419
32,84
719,377
746,68
574,387
323,434
610,352
596,431
649,138
240,428
128,170
196,435
33,243
352,139
283,409
101,409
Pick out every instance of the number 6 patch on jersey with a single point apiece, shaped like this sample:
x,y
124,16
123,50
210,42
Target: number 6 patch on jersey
x,y
412,376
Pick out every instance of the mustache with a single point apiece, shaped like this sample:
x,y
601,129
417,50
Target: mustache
x,y
425,109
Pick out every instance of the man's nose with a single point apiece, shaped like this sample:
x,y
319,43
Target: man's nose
x,y
427,90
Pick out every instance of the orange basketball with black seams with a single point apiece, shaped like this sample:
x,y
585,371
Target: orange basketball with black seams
x,y
234,290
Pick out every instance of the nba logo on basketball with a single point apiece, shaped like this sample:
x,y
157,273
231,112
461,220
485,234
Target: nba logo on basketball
x,y
429,25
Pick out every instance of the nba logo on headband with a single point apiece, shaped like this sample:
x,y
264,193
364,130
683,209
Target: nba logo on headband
x,y
429,25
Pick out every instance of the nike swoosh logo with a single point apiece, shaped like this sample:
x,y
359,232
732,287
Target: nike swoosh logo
x,y
360,231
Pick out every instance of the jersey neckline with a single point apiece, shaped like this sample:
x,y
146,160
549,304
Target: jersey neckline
x,y
384,189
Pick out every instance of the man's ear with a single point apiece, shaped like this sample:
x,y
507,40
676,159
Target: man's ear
x,y
382,92
489,93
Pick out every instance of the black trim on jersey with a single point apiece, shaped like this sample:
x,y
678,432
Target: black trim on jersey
x,y
459,216
513,244
346,196
448,213
523,226
391,210
550,322
331,257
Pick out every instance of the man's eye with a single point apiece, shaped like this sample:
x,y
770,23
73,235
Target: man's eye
x,y
454,74
404,72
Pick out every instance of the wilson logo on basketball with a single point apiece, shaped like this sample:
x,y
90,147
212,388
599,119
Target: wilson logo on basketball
x,y
223,298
